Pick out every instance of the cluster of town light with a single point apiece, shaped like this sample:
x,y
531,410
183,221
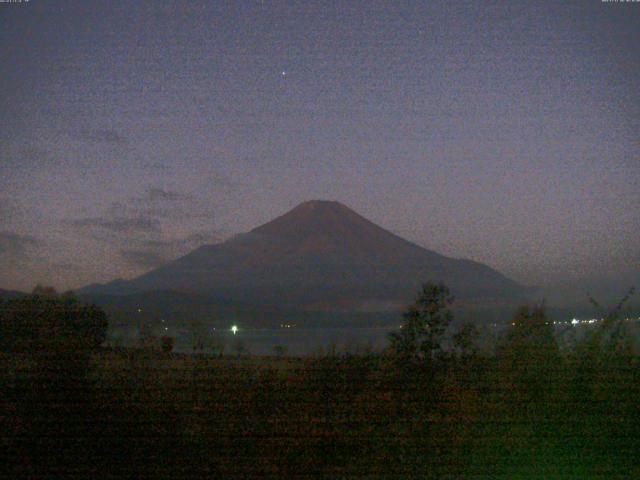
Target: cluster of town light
x,y
574,322
577,321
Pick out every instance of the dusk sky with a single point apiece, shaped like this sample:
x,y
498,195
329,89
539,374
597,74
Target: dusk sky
x,y
505,132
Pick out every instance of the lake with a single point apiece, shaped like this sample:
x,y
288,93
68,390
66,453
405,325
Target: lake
x,y
296,341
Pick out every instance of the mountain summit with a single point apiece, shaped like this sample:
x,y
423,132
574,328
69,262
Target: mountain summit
x,y
321,226
316,217
317,255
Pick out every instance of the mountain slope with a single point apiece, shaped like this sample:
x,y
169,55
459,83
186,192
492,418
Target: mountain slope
x,y
318,254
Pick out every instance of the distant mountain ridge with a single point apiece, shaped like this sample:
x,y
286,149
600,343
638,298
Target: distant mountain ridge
x,y
6,294
319,255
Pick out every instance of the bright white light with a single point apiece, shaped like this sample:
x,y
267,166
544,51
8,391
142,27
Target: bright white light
x,y
234,329
166,329
575,321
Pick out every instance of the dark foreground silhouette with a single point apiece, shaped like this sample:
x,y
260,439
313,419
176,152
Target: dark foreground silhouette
x,y
416,411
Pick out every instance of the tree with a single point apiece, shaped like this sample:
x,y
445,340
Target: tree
x,y
464,340
55,334
605,349
46,321
44,291
530,338
425,323
610,339
529,353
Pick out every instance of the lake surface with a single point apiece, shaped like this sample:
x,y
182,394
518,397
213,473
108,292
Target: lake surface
x,y
295,341
298,341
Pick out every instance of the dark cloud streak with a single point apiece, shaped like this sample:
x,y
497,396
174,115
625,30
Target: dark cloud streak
x,y
158,194
152,253
106,135
118,225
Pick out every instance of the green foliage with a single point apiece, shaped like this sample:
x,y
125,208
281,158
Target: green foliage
x,y
46,321
351,417
44,291
52,337
464,340
339,416
425,323
608,346
528,355
610,340
530,338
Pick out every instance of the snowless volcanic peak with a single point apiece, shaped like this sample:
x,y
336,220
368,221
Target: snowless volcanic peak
x,y
314,216
318,226
320,251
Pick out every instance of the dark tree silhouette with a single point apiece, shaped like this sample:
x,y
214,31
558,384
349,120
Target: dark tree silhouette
x,y
425,323
609,346
530,336
529,354
610,340
464,340
52,323
54,336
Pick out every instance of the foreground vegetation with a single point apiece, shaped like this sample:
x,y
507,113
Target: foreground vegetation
x,y
415,411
